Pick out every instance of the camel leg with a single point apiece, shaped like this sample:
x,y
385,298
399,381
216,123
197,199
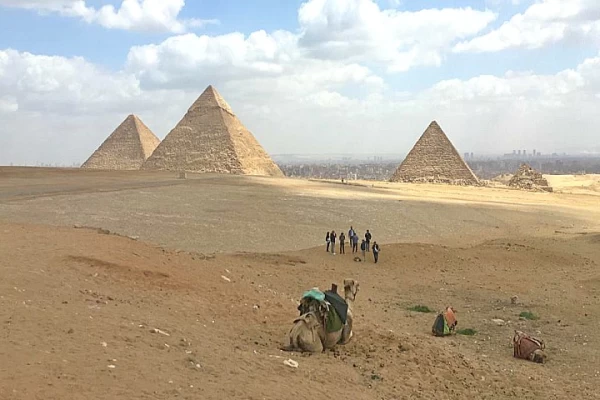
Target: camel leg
x,y
347,330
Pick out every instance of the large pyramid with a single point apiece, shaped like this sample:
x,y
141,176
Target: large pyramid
x,y
434,159
126,148
210,138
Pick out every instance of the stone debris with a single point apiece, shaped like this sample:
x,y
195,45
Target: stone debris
x,y
291,363
225,278
156,330
526,178
126,148
434,159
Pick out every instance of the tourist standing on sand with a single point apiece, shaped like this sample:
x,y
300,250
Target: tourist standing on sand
x,y
342,243
328,240
355,243
332,237
351,234
363,247
368,239
375,251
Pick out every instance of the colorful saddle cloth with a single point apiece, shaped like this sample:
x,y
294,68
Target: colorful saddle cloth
x,y
444,323
329,304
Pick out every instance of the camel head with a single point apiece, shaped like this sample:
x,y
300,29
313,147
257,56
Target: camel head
x,y
350,289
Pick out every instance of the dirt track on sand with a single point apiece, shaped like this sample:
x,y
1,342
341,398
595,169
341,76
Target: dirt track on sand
x,y
77,307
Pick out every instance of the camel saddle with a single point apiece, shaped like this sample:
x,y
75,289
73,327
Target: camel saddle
x,y
327,303
528,348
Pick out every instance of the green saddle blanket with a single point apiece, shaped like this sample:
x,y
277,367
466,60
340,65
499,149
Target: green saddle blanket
x,y
334,322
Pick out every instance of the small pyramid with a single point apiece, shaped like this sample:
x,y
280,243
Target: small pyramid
x,y
529,179
126,148
434,159
210,138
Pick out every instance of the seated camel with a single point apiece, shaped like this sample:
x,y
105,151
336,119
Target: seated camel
x,y
322,323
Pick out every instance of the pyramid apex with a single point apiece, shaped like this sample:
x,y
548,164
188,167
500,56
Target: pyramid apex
x,y
210,98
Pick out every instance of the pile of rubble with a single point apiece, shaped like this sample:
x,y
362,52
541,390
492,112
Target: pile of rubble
x,y
529,179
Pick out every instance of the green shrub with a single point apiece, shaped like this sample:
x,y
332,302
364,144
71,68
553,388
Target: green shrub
x,y
529,315
466,332
421,309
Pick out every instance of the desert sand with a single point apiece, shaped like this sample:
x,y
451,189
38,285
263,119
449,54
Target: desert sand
x,y
93,263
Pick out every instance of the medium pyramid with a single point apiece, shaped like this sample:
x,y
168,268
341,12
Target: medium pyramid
x,y
126,148
434,159
210,138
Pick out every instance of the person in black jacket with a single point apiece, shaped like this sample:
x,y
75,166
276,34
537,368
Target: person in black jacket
x,y
328,240
332,237
363,248
368,239
342,243
375,251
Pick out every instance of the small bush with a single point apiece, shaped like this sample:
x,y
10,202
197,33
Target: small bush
x,y
421,309
466,332
529,315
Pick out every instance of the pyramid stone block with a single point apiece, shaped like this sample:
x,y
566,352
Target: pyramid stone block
x,y
434,159
126,148
210,138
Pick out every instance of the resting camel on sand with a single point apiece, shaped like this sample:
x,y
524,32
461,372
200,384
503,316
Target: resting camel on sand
x,y
320,326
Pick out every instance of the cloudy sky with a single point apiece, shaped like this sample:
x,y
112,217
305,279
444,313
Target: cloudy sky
x,y
305,76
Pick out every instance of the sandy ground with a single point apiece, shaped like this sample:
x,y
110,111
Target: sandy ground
x,y
211,213
78,306
575,184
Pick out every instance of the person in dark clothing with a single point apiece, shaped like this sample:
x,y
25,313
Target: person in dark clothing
x,y
363,247
328,240
332,237
368,239
375,251
351,234
355,243
342,243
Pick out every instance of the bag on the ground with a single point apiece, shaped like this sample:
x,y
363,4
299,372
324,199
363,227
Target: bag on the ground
x,y
444,323
528,348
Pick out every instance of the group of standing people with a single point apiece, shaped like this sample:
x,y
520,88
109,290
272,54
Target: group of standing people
x,y
332,238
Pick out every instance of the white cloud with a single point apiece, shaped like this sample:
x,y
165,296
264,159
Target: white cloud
x,y
270,62
543,23
8,104
359,30
139,15
59,84
291,95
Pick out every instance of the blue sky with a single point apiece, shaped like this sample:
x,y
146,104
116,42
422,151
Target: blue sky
x,y
306,76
